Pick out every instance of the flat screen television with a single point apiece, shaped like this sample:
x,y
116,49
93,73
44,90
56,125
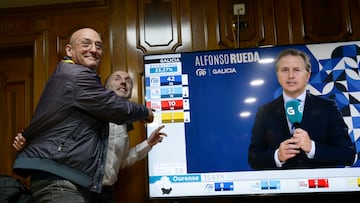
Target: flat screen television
x,y
207,101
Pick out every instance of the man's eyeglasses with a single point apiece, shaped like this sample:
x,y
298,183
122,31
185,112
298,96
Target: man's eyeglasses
x,y
88,44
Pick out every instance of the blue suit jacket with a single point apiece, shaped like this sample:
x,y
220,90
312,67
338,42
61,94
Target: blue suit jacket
x,y
321,119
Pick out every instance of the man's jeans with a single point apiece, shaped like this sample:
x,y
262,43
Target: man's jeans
x,y
56,191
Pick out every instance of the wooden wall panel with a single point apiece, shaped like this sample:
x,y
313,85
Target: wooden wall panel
x,y
159,26
241,30
296,25
326,20
270,36
200,23
282,22
211,25
14,35
185,13
354,6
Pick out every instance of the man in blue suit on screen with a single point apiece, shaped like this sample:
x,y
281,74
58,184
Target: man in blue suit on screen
x,y
299,129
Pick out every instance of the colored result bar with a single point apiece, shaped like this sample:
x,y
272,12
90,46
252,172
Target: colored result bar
x,y
170,80
172,117
171,92
172,104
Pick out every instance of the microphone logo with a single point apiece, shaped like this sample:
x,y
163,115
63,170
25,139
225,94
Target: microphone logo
x,y
291,111
294,111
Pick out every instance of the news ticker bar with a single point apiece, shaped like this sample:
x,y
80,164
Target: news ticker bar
x,y
195,184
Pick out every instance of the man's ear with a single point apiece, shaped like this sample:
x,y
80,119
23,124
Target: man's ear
x,y
68,50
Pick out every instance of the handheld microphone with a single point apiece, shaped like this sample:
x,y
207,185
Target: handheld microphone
x,y
294,112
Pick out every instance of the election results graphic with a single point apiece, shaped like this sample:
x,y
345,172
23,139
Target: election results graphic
x,y
167,90
208,100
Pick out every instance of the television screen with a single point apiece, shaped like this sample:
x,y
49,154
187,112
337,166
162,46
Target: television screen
x,y
208,100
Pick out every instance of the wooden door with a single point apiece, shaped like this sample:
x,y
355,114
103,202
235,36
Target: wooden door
x,y
16,65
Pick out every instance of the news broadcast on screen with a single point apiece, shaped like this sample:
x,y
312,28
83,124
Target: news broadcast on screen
x,y
208,100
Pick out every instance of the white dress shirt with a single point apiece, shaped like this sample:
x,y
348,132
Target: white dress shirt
x,y
119,154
